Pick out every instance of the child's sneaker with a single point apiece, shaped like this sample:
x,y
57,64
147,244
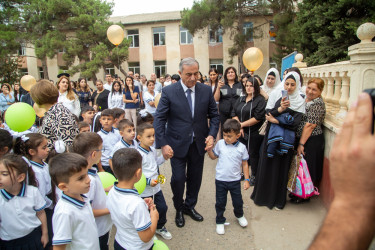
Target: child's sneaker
x,y
164,233
220,229
242,221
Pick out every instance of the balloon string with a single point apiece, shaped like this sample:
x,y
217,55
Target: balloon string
x,y
118,58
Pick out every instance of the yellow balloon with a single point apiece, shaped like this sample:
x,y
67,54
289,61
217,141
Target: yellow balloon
x,y
157,99
40,112
252,58
115,34
27,81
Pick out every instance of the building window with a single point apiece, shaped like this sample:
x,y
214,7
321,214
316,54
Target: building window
x,y
23,71
248,31
216,36
217,64
160,68
185,36
272,32
159,36
63,50
110,69
134,37
41,73
134,66
22,50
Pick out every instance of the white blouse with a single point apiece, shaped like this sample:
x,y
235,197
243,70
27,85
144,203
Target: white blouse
x,y
72,105
147,97
115,100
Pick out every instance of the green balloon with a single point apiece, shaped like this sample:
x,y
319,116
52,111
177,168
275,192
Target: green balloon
x,y
20,116
141,184
107,179
159,245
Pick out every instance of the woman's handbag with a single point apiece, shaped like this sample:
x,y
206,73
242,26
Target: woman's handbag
x,y
262,129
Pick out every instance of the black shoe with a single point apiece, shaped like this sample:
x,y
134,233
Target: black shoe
x,y
297,200
180,220
193,214
252,180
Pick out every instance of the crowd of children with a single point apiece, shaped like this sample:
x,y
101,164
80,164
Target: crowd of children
x,y
63,203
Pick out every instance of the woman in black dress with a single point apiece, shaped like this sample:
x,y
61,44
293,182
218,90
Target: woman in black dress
x,y
250,111
100,97
283,115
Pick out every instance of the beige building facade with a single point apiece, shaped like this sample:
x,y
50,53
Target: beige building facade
x,y
159,43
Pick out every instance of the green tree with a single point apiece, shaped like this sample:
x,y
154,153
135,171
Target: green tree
x,y
77,27
323,30
228,14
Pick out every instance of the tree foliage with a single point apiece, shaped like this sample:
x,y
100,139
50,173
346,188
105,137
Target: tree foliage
x,y
324,30
228,14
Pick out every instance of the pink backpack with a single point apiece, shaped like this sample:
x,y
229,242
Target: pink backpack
x,y
304,187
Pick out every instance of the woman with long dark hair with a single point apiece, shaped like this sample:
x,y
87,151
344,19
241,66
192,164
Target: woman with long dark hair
x,y
84,93
115,99
229,92
131,99
250,111
67,96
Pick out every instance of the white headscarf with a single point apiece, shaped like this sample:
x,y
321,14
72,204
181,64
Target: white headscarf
x,y
297,102
265,87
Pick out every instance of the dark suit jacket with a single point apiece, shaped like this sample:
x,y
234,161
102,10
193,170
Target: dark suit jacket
x,y
173,108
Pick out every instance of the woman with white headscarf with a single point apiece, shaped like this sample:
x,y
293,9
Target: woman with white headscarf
x,y
271,82
283,114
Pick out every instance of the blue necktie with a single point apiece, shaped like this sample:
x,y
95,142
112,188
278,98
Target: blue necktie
x,y
188,96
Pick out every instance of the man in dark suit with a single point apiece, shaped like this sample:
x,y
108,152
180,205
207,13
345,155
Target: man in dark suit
x,y
185,106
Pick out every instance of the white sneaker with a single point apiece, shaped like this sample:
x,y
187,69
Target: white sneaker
x,y
242,221
220,229
164,233
154,238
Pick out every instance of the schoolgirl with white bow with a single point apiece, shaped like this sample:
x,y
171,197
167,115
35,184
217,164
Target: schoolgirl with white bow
x,y
23,223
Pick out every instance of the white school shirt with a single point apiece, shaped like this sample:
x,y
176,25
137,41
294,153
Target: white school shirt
x,y
147,97
130,215
123,144
44,179
150,163
74,224
98,200
229,165
73,106
18,213
117,132
109,140
115,100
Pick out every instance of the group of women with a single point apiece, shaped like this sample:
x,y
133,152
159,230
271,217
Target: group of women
x,y
8,96
272,110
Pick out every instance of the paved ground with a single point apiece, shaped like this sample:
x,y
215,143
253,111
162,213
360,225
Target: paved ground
x,y
292,228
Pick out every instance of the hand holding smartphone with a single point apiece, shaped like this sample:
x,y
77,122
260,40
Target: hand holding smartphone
x,y
284,93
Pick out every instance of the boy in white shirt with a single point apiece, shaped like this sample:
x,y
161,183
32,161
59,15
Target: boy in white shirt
x,y
90,146
73,220
130,213
150,163
232,156
109,136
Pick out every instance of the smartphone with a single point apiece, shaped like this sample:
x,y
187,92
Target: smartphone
x,y
371,92
284,93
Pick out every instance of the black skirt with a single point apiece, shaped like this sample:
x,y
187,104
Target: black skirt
x,y
28,242
271,179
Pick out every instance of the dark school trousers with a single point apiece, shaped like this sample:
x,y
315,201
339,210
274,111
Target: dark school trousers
x,y
162,208
222,188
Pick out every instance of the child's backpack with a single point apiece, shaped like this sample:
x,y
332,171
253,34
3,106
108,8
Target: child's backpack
x,y
304,187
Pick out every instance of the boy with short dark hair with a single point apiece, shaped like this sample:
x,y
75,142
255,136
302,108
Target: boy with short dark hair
x,y
118,115
232,156
83,127
110,138
90,145
135,224
87,114
73,220
150,168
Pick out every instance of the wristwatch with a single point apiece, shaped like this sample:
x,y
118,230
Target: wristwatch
x,y
247,180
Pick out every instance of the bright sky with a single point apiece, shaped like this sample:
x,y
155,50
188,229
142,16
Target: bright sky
x,y
126,7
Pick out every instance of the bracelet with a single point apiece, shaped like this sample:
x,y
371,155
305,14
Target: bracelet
x,y
247,180
302,144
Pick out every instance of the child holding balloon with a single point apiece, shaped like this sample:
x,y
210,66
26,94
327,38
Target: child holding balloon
x,y
23,223
90,146
150,168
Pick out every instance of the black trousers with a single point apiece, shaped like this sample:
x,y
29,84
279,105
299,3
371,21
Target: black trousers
x,y
187,170
103,241
162,208
253,143
222,188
